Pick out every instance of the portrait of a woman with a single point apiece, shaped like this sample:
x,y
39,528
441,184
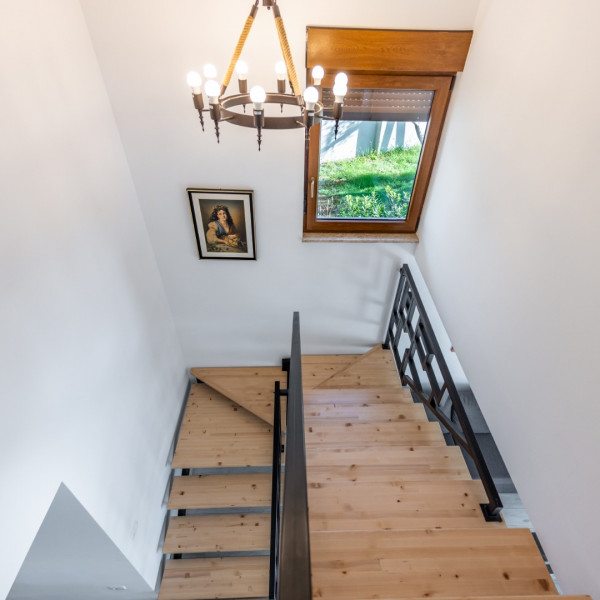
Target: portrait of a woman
x,y
223,223
221,231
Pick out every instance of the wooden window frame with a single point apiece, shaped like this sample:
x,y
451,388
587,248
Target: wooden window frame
x,y
383,59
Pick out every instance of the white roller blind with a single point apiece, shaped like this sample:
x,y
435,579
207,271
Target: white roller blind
x,y
383,105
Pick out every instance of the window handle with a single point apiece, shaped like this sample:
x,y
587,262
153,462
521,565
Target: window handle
x,y
312,187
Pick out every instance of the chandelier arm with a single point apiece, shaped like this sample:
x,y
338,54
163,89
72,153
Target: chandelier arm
x,y
239,47
285,49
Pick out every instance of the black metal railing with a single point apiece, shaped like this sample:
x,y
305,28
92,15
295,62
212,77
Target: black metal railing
x,y
289,577
409,328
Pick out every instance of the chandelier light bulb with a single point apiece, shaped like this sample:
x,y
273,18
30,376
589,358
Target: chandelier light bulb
x,y
341,78
317,74
210,71
311,97
212,89
339,91
195,82
258,96
241,68
280,69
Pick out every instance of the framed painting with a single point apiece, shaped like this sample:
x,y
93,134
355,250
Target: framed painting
x,y
223,223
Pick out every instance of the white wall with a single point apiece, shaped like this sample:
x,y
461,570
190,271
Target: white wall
x,y
232,312
91,369
509,249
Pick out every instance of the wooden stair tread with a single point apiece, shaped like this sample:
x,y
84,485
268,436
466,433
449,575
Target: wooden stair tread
x,y
207,578
372,395
396,433
218,533
431,563
217,432
366,413
391,505
219,491
399,456
250,387
504,597
351,473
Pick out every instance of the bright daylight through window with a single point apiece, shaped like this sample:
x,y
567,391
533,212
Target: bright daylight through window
x,y
367,170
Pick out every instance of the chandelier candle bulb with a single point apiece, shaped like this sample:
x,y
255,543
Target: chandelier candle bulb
x,y
281,71
317,74
241,68
311,97
341,78
210,71
339,91
258,96
195,82
212,89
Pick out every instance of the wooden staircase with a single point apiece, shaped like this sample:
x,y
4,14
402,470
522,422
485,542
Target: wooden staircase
x,y
393,511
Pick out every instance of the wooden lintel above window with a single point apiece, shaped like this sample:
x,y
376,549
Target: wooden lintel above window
x,y
385,51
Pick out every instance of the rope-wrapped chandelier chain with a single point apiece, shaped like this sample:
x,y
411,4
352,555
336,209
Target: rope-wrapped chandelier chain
x,y
239,47
285,50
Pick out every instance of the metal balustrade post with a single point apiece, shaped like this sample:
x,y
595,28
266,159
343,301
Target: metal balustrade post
x,y
422,341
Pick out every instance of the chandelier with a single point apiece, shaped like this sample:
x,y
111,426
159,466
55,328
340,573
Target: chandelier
x,y
224,108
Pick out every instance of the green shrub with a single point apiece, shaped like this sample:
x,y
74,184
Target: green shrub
x,y
374,185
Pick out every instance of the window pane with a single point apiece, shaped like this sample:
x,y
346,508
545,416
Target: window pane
x,y
368,172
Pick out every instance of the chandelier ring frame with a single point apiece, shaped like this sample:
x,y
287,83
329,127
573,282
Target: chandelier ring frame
x,y
277,122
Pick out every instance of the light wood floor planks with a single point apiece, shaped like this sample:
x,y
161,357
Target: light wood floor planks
x,y
218,533
207,578
221,491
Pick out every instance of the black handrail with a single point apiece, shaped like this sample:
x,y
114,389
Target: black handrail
x,y
408,316
275,494
290,542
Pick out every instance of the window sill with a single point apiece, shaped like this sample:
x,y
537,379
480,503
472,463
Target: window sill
x,y
407,238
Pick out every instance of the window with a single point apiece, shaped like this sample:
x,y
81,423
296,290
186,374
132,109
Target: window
x,y
370,176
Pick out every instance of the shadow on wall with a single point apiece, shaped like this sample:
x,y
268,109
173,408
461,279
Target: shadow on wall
x,y
72,558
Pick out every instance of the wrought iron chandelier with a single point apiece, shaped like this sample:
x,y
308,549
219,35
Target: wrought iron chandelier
x,y
224,108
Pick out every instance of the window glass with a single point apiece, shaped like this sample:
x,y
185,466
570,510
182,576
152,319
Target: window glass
x,y
367,166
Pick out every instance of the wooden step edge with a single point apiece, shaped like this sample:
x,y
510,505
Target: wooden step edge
x,y
185,462
209,578
357,396
220,491
220,533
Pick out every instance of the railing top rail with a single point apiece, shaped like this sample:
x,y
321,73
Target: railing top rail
x,y
294,561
